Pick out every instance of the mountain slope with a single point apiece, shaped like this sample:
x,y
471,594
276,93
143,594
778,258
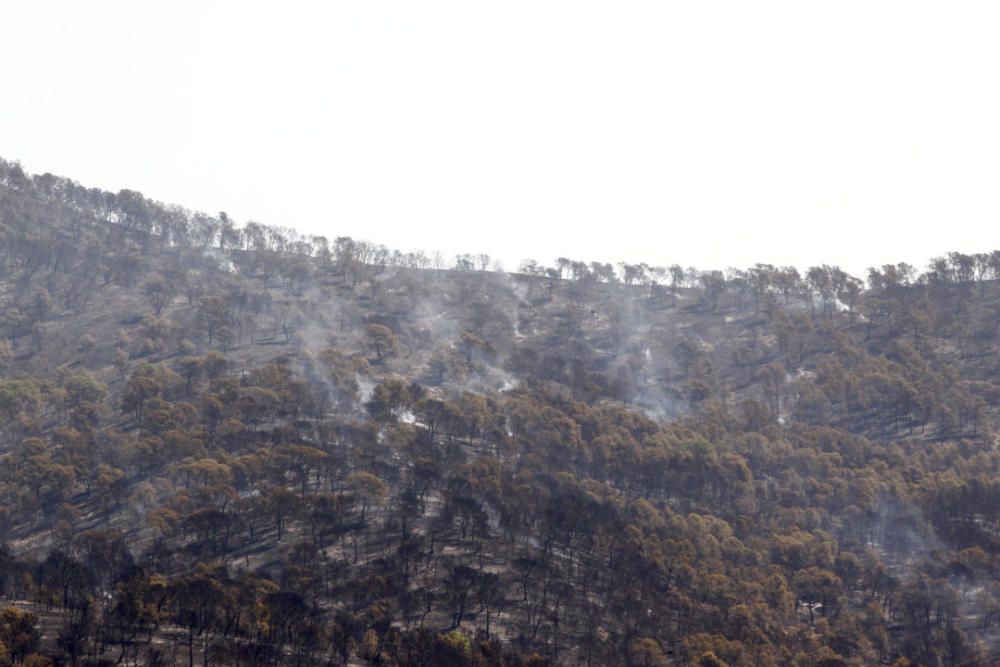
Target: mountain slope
x,y
235,444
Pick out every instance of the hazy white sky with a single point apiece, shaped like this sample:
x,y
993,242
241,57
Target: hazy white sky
x,y
705,133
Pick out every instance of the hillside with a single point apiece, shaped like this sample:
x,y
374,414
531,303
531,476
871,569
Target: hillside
x,y
232,444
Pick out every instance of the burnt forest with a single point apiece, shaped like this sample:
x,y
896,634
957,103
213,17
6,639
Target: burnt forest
x,y
228,443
